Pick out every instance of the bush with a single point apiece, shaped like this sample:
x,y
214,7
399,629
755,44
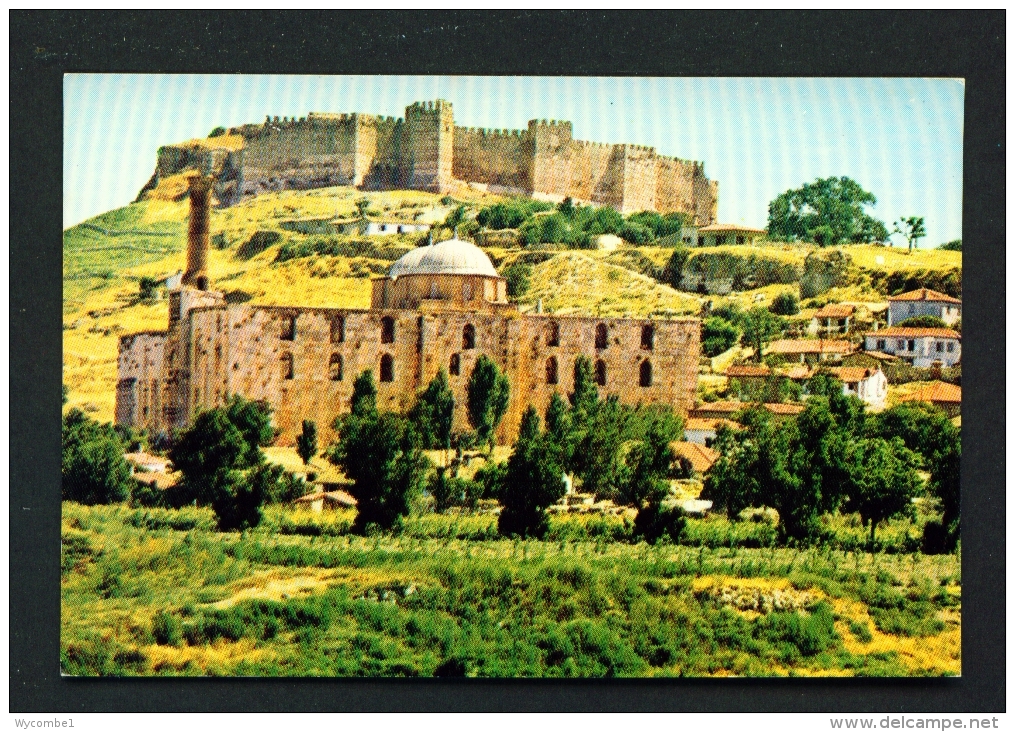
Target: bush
x,y
658,520
785,303
519,278
257,243
93,467
952,246
167,629
922,321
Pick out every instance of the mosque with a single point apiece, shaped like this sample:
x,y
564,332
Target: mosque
x,y
439,306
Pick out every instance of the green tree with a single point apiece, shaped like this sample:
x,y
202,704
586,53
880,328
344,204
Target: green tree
x,y
147,289
599,437
785,303
650,461
883,480
533,481
364,395
92,465
205,453
217,132
434,412
718,336
922,321
362,206
238,498
675,266
952,246
760,326
911,228
488,392
585,394
827,211
530,425
380,453
306,441
559,428
519,279
253,420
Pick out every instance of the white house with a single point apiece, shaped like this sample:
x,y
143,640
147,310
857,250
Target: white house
x,y
832,319
922,347
924,302
869,384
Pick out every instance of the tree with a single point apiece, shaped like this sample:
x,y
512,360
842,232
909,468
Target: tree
x,y
530,426
883,480
64,391
533,481
785,303
306,441
434,413
253,420
648,489
559,428
380,453
488,392
362,205
455,218
952,246
599,437
828,211
364,395
212,447
93,467
718,336
760,326
922,321
238,498
217,132
911,228
519,278
585,394
147,288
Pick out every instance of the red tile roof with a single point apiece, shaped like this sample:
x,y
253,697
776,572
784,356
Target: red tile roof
x,y
706,423
738,372
732,407
701,458
808,345
712,228
836,311
853,374
926,295
896,331
938,392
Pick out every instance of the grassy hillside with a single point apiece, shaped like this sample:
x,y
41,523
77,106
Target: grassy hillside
x,y
159,592
105,258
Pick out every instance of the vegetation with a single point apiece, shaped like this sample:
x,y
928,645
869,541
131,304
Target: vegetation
x,y
488,393
922,321
426,603
827,212
533,481
306,441
952,246
718,335
433,414
911,229
518,277
93,467
785,303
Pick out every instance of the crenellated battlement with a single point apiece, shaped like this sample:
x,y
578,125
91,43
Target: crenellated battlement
x,y
424,150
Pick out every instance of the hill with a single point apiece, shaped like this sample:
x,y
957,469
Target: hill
x,y
255,259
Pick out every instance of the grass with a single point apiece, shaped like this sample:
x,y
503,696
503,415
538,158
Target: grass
x,y
159,593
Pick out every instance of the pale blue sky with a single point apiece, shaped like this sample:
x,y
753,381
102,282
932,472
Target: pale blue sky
x,y
901,139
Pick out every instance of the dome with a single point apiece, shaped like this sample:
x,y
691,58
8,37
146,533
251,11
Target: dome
x,y
453,256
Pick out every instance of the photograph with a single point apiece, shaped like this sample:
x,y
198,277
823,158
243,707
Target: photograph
x,y
511,376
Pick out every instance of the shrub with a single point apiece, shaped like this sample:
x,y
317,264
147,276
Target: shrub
x,y
257,243
519,279
93,467
785,303
861,631
922,321
167,629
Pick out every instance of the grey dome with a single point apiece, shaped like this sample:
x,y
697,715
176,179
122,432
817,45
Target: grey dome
x,y
453,256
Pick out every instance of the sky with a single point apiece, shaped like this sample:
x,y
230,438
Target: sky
x,y
901,139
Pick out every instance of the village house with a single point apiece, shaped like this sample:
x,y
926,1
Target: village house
x,y
727,409
832,319
939,393
921,347
368,226
868,384
809,350
745,372
703,431
698,457
719,234
924,302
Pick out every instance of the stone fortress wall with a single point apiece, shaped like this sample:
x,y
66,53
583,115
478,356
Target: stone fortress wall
x,y
425,151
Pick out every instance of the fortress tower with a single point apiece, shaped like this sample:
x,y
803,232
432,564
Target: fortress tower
x,y
430,129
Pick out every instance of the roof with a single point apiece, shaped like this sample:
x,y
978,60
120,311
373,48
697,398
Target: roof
x,y
797,371
735,372
708,423
721,228
152,463
732,407
938,392
835,311
453,256
853,374
903,332
701,458
926,295
337,496
807,345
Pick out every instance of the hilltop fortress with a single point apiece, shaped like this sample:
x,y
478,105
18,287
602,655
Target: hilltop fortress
x,y
426,151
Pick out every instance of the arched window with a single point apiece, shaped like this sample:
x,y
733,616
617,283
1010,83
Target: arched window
x,y
337,329
645,373
455,365
433,291
288,332
601,372
467,291
553,334
648,337
335,367
387,329
468,337
387,368
551,370
602,337
286,366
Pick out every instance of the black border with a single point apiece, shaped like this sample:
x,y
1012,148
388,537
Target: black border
x,y
45,44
